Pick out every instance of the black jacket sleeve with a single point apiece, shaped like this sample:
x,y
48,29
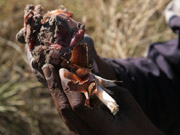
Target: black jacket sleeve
x,y
154,81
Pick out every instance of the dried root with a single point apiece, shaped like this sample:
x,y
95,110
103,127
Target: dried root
x,y
91,86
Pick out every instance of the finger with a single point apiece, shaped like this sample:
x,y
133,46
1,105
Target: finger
x,y
34,66
28,54
91,50
75,98
20,36
87,39
61,101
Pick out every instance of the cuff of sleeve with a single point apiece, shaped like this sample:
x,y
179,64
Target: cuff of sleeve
x,y
174,23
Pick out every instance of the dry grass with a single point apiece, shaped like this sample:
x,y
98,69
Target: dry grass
x,y
120,28
125,28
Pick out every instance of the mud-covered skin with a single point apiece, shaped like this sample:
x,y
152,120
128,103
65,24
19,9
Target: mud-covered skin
x,y
42,54
50,37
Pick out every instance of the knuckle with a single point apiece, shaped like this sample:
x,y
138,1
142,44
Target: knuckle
x,y
77,107
40,77
63,109
57,93
52,85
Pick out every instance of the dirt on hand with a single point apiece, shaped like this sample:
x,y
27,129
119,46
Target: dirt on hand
x,y
50,37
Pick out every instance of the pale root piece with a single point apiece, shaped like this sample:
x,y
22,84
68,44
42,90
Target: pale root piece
x,y
106,99
94,87
106,82
64,80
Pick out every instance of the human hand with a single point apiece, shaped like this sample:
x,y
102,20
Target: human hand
x,y
87,121
98,65
37,69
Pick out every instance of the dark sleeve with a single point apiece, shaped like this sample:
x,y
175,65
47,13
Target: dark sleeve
x,y
154,81
174,24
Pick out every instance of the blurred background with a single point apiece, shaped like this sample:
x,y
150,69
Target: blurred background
x,y
120,29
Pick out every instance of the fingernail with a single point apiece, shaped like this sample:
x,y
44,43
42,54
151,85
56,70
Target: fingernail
x,y
46,71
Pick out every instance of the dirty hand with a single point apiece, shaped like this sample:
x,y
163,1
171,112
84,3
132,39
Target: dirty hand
x,y
99,66
83,120
38,72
